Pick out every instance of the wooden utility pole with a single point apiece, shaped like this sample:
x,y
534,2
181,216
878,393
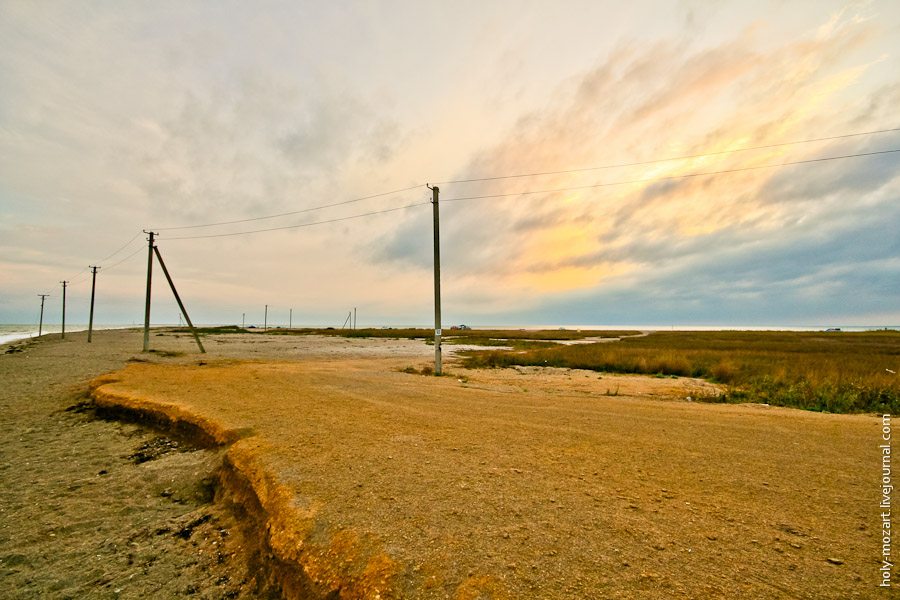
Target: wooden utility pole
x,y
64,283
243,319
291,319
437,280
147,305
178,299
93,289
41,325
354,317
266,319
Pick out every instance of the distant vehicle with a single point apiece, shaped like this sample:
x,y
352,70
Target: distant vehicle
x,y
833,329
252,327
463,327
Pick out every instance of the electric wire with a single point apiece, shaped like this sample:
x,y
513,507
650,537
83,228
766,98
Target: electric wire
x,y
77,278
123,260
82,275
660,160
120,249
295,212
368,214
669,177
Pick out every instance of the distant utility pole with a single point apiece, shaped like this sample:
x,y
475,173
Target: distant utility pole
x,y
64,283
354,317
437,280
147,305
266,319
291,319
93,289
41,325
243,319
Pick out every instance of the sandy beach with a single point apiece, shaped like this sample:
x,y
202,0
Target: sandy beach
x,y
331,473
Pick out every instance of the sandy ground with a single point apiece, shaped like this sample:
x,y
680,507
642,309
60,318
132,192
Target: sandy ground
x,y
525,483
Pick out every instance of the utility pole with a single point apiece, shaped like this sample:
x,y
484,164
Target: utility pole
x,y
41,326
147,305
354,317
291,319
266,319
243,319
93,289
437,280
64,283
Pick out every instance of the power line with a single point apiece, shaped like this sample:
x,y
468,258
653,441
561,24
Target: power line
x,y
659,160
77,278
295,212
122,248
597,185
368,214
132,255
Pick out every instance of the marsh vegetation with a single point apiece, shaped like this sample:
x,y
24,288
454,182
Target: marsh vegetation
x,y
835,372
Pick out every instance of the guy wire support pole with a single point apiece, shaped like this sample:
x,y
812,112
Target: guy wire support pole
x,y
93,289
147,305
437,280
178,299
41,326
64,309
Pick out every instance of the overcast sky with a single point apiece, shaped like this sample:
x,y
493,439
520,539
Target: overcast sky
x,y
121,116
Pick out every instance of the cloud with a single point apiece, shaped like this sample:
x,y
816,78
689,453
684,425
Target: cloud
x,y
738,237
118,119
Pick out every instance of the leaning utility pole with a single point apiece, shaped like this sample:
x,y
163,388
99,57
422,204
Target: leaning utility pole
x,y
93,289
178,299
41,326
64,309
437,281
147,305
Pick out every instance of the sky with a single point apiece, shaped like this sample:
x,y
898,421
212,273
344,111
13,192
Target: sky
x,y
575,117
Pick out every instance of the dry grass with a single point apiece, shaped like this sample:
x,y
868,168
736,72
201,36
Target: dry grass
x,y
834,372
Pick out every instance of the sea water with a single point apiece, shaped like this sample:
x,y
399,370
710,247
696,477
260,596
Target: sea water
x,y
12,333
